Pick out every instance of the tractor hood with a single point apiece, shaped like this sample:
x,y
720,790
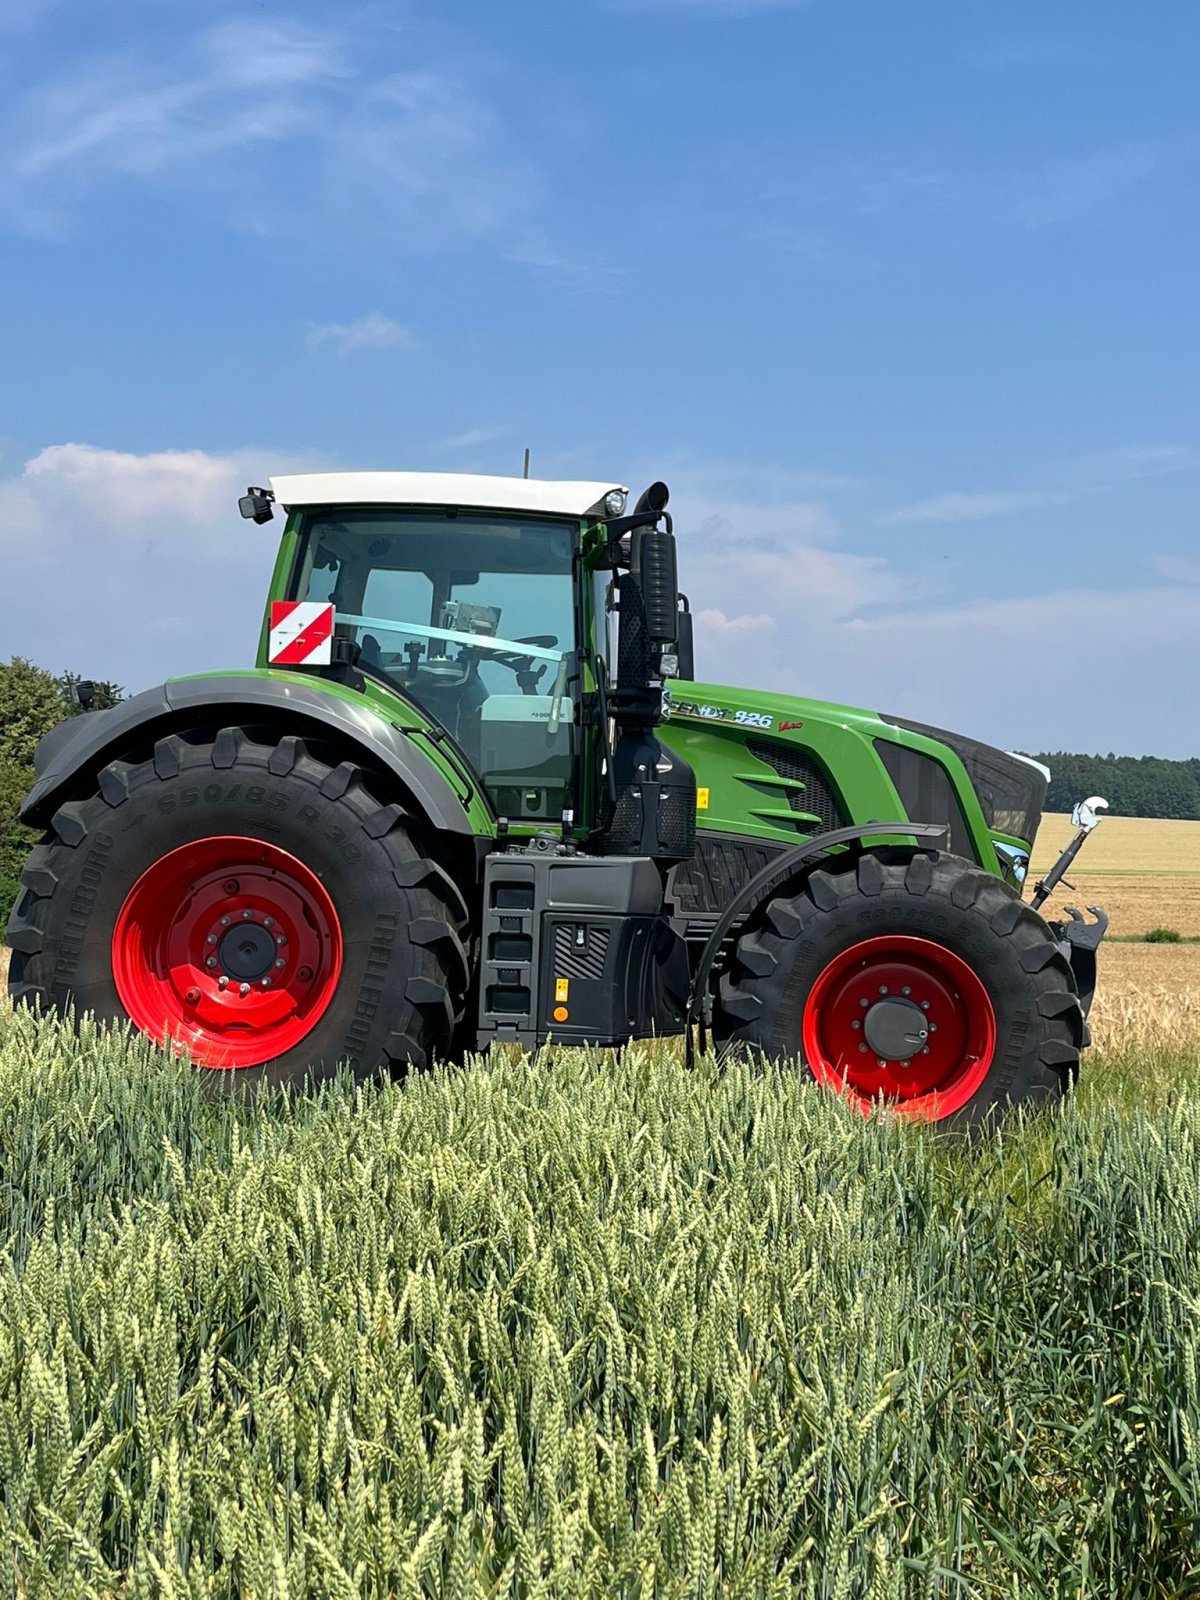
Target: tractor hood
x,y
859,760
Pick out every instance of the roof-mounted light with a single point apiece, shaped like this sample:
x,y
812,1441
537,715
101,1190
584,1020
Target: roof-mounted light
x,y
256,504
614,502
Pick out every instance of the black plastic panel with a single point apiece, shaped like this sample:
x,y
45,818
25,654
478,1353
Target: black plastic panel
x,y
926,793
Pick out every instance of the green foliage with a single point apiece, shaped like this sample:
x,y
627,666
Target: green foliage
x,y
15,841
31,703
586,1327
1134,786
104,693
32,700
1164,936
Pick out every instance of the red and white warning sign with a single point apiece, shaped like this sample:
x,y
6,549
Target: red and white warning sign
x,y
301,633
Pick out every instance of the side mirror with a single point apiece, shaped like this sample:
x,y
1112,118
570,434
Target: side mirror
x,y
652,561
685,650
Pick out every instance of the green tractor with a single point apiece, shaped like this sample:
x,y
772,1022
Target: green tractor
x,y
471,793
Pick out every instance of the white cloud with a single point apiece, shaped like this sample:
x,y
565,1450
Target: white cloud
x,y
973,507
239,85
1137,461
417,159
782,605
134,567
373,331
1085,475
1066,189
470,438
1177,569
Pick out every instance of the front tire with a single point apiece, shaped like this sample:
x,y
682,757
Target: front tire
x,y
913,978
253,898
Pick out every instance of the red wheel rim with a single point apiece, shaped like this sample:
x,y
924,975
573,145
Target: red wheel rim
x,y
238,910
901,1018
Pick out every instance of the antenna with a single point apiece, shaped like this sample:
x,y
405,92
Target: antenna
x,y
525,474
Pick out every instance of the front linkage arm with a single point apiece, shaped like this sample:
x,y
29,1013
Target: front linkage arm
x,y
1078,938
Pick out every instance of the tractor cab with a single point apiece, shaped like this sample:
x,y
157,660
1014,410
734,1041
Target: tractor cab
x,y
463,595
459,593
470,615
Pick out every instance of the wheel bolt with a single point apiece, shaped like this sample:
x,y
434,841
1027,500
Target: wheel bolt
x,y
211,961
856,1024
266,983
906,989
246,915
212,939
924,1005
880,1062
268,922
863,1049
192,996
222,982
224,922
933,1027
279,939
864,1004
925,1050
232,886
883,988
279,963
244,990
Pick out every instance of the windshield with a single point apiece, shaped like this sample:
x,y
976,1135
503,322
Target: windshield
x,y
471,615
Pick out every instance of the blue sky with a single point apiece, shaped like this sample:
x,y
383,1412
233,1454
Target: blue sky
x,y
901,299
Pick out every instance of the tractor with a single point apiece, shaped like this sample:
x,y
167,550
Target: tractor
x,y
471,794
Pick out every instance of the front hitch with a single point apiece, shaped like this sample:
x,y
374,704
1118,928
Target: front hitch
x,y
1078,939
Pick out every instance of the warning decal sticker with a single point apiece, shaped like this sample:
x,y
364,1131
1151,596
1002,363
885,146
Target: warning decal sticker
x,y
301,633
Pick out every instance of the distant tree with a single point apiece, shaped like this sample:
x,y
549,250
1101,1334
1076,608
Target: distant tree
x,y
32,700
31,703
1134,786
104,693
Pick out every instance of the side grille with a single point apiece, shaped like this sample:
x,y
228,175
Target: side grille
x,y
575,960
817,796
720,867
677,821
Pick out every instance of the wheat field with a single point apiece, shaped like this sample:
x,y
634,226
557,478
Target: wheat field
x,y
586,1327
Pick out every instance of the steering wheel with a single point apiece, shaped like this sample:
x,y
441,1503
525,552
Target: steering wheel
x,y
527,677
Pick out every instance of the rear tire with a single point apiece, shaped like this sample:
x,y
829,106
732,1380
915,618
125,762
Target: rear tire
x,y
870,951
226,853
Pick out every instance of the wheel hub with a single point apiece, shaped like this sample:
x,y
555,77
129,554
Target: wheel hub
x,y
895,1029
247,952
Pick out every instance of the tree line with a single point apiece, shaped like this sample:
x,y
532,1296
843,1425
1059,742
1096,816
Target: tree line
x,y
1134,786
32,701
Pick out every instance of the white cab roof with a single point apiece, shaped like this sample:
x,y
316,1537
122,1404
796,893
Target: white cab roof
x,y
440,489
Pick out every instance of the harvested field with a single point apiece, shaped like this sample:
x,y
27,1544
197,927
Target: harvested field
x,y
1145,873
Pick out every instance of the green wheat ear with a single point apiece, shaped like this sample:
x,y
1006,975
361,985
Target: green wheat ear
x,y
588,1327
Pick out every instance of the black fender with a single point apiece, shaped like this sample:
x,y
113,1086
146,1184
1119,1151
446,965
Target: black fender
x,y
775,873
78,748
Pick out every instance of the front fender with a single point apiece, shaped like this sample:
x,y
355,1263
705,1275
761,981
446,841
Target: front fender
x,y
78,749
